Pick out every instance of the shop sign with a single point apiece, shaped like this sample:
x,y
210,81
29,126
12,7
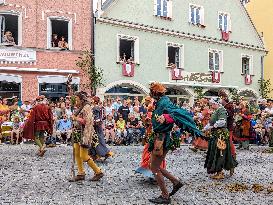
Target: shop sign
x,y
195,77
17,55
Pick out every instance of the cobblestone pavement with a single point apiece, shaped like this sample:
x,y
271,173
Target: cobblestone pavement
x,y
27,179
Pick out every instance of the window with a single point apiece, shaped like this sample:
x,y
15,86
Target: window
x,y
10,89
163,8
59,33
174,55
247,68
128,49
215,60
54,91
196,15
9,25
224,22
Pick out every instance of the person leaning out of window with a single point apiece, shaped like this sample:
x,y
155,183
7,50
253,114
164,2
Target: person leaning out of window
x,y
63,45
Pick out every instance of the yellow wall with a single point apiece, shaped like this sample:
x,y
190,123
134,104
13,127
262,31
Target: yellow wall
x,y
261,13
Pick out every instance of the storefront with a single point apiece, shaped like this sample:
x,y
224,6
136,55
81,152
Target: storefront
x,y
10,85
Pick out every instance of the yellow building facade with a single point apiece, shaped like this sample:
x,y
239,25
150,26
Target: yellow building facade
x,y
261,13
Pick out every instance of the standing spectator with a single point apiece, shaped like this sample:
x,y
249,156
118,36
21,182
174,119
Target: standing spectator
x,y
124,110
64,127
130,106
15,130
116,105
108,108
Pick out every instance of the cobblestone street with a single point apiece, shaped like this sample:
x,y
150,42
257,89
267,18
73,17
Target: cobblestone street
x,y
27,179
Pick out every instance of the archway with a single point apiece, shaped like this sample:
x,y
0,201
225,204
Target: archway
x,y
178,95
248,93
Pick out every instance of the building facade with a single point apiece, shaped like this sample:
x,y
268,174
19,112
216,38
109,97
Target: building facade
x,y
261,14
40,43
185,45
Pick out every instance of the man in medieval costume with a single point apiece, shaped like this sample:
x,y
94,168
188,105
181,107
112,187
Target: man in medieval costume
x,y
84,137
146,155
219,155
99,149
39,123
164,116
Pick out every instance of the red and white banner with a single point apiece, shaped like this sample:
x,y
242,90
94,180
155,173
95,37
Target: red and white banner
x,y
176,74
248,79
225,35
128,69
216,77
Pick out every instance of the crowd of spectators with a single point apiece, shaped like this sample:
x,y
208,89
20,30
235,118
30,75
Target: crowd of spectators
x,y
124,120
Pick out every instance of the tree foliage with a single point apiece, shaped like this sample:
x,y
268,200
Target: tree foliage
x,y
234,94
199,92
92,74
265,88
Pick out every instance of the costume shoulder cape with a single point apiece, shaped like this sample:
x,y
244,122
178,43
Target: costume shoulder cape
x,y
181,117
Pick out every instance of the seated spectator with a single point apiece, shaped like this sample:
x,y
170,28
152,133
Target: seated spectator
x,y
64,127
62,44
16,131
124,110
134,132
8,38
55,41
121,130
110,129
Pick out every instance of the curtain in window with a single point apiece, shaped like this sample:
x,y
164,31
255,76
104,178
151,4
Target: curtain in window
x,y
211,61
220,21
177,56
225,23
216,62
197,16
192,15
2,27
159,7
165,8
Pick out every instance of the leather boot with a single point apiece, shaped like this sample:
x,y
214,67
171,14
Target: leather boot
x,y
77,178
97,177
218,176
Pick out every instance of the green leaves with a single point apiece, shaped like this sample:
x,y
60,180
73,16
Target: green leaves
x,y
265,88
199,92
91,73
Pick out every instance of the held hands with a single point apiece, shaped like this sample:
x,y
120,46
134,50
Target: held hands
x,y
161,119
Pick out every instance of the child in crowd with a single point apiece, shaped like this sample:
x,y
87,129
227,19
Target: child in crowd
x,y
15,130
110,129
121,130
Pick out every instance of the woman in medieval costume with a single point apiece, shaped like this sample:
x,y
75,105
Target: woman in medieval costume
x,y
146,155
99,149
164,116
201,119
243,126
219,155
83,136
230,118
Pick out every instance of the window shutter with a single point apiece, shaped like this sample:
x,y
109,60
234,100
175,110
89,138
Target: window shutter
x,y
118,48
202,16
251,66
170,9
136,51
229,23
190,14
221,61
155,7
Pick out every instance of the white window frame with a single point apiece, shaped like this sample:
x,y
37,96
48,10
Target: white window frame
x,y
201,13
49,31
136,46
20,24
169,9
223,25
251,68
181,53
221,60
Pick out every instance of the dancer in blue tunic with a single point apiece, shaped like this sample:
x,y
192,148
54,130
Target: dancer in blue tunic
x,y
165,115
